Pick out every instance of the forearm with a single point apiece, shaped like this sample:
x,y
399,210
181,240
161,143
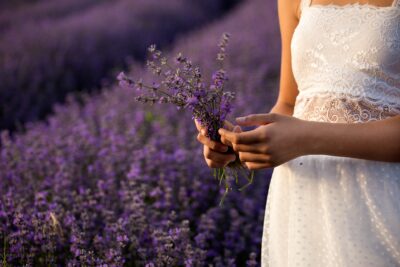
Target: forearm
x,y
377,140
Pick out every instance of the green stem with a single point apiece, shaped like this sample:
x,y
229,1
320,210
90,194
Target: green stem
x,y
249,183
223,173
221,202
185,81
159,90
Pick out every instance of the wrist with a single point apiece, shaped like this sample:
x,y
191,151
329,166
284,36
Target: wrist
x,y
321,138
308,140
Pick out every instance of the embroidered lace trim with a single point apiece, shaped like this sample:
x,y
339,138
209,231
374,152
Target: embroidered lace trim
x,y
343,108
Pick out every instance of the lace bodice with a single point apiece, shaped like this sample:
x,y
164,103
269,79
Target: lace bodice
x,y
346,62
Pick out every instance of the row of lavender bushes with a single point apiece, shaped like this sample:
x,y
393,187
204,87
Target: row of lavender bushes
x,y
117,183
51,48
12,4
16,13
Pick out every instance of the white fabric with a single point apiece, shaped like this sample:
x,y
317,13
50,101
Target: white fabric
x,y
336,211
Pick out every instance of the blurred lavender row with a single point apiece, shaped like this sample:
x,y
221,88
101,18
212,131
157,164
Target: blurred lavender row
x,y
51,48
117,183
15,14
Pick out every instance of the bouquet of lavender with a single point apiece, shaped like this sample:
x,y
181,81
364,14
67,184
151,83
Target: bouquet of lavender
x,y
182,84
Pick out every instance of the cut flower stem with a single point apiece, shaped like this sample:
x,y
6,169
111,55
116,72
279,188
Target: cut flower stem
x,y
183,85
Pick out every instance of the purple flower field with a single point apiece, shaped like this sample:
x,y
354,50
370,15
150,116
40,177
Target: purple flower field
x,y
107,181
50,48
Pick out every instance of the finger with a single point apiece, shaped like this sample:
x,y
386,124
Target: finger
x,y
226,141
257,166
257,119
200,128
248,137
256,149
198,125
214,164
228,125
251,157
237,129
245,148
218,157
212,144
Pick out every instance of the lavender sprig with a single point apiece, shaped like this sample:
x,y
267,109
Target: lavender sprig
x,y
182,84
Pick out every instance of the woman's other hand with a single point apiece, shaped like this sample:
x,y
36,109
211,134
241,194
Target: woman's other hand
x,y
215,153
277,139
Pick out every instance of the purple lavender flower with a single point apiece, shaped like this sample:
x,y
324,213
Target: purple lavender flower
x,y
110,167
46,53
183,86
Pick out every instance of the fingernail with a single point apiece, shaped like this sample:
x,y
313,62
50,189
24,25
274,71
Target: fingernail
x,y
240,119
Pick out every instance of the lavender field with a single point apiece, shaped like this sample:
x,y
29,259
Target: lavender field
x,y
105,180
50,48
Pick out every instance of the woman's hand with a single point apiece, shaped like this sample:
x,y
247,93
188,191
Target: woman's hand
x,y
279,138
215,152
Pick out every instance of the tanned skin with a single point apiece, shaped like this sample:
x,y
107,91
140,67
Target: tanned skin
x,y
280,137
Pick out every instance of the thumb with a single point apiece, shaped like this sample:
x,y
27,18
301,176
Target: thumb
x,y
257,119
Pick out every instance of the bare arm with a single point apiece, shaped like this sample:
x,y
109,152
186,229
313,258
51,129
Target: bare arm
x,y
282,137
375,140
378,140
288,20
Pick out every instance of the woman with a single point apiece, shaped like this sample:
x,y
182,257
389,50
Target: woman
x,y
333,137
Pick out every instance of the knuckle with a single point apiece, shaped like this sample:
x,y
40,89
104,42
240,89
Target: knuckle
x,y
213,145
209,163
264,135
273,116
223,140
273,163
235,147
249,166
254,167
236,139
214,164
270,161
207,153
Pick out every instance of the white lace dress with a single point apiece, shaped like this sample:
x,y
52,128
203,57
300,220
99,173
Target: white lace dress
x,y
337,211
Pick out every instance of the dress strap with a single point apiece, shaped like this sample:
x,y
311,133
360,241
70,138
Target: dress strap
x,y
396,3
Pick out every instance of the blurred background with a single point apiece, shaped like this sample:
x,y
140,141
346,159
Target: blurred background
x,y
88,176
51,48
